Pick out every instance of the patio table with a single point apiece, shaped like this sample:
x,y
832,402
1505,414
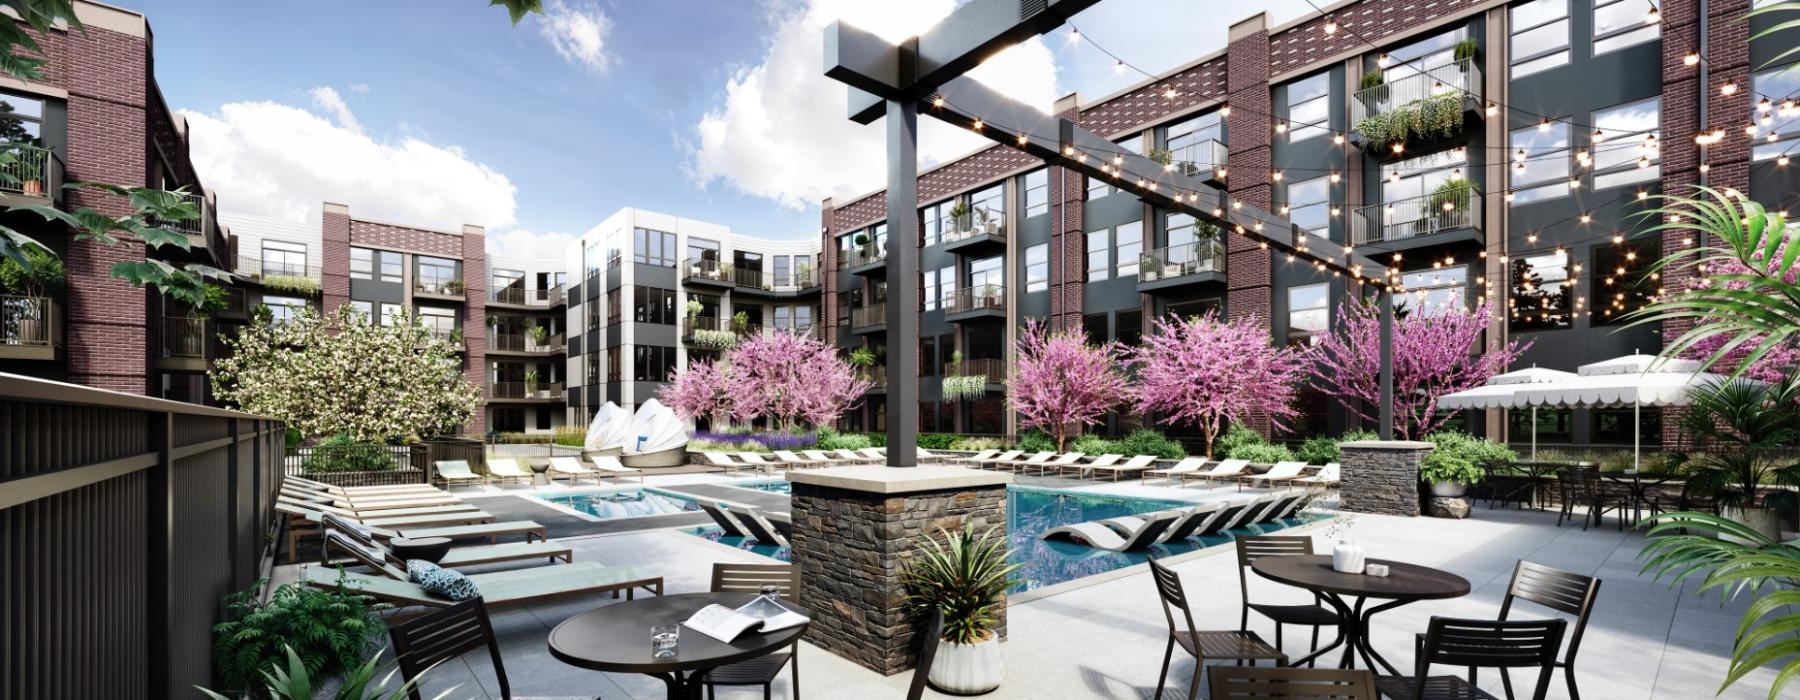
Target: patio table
x,y
616,638
1535,474
1635,485
1405,583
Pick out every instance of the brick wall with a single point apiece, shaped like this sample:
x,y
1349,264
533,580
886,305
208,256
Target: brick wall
x,y
1375,20
406,238
334,229
474,320
1068,240
828,246
1250,131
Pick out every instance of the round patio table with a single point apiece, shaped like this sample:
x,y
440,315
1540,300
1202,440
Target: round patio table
x,y
616,638
1405,583
1636,483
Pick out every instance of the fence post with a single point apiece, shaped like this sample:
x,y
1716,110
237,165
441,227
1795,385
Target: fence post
x,y
233,502
159,541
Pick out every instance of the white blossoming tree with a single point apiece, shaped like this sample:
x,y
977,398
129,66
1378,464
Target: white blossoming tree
x,y
339,374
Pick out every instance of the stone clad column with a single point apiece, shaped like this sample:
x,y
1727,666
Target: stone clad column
x,y
1381,476
855,530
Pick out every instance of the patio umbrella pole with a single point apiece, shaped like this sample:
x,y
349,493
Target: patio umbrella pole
x,y
1534,433
1637,429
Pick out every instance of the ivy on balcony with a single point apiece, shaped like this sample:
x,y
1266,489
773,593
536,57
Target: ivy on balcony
x,y
1428,118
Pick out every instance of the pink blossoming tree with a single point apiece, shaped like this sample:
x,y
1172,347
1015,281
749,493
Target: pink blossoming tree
x,y
700,390
1208,372
787,378
1777,361
1061,380
1434,355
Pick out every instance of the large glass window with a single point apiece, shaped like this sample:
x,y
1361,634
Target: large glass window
x,y
1309,205
987,209
1620,23
783,270
1407,189
1099,250
1540,36
1309,107
654,305
393,265
1540,291
1130,240
988,271
283,258
1779,86
1540,168
1192,142
702,249
392,314
652,247
935,220
946,287
283,309
508,279
1622,281
1037,268
21,119
652,363
1037,192
931,289
440,321
437,275
1098,187
1309,313
362,264
1433,292
1628,152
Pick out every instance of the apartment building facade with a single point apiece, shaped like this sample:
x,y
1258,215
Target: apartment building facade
x,y
651,292
1538,131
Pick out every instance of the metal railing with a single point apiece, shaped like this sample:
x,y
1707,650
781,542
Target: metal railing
x,y
183,337
1199,157
529,297
438,286
553,342
1451,81
704,269
33,172
991,297
1417,216
692,324
524,342
994,370
804,278
29,321
527,390
866,254
980,222
876,374
868,316
1181,260
259,269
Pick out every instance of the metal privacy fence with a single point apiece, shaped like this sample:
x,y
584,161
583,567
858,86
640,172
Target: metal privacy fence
x,y
380,465
123,521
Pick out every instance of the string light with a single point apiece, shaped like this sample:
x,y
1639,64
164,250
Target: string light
x,y
1383,61
1170,93
937,101
1492,108
1544,125
1337,139
1118,67
1330,26
977,125
1691,59
1729,88
1781,160
1225,110
1653,16
1764,105
1023,140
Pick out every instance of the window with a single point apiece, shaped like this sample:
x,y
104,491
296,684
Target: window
x,y
652,247
1628,152
703,249
1784,123
784,318
21,119
1037,268
1620,23
613,306
1433,292
1309,309
362,264
1613,427
613,360
987,272
1190,241
1553,424
1130,240
783,273
1540,36
283,258
987,208
931,289
653,363
1408,186
1543,172
1622,281
1099,247
1309,205
440,321
653,305
436,276
1309,107
1098,187
508,279
936,221
946,287
392,314
1037,192
283,309
1197,143
392,266
367,309
1540,291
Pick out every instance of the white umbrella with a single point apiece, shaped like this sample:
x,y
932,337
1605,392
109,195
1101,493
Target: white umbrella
x,y
1502,391
1632,380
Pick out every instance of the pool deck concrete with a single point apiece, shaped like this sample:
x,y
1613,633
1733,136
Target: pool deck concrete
x,y
1105,640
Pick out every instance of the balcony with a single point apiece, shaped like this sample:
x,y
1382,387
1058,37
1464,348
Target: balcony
x,y
237,304
994,370
33,176
1180,266
1201,159
866,259
530,298
868,319
526,343
438,288
979,232
707,272
526,391
203,230
451,335
182,344
1438,99
876,374
281,276
30,328
1449,216
770,284
978,302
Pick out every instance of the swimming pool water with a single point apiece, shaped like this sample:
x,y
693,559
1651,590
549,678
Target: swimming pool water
x,y
629,503
772,486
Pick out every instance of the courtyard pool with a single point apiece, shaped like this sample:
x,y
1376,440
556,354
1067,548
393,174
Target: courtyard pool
x,y
626,503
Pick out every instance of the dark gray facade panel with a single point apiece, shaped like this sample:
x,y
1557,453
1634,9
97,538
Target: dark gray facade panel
x,y
377,291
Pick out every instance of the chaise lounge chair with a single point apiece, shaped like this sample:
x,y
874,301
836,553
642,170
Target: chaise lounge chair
x,y
1081,470
1228,469
300,521
456,471
1327,476
342,534
390,584
290,501
820,457
1098,536
1192,520
722,459
1131,466
610,464
794,461
1017,464
726,522
756,460
974,459
1006,456
1234,514
1066,459
1281,471
756,525
1190,465
852,457
389,491
571,468
499,469
358,503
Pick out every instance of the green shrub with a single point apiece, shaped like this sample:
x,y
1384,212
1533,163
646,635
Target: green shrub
x,y
1235,437
843,441
977,444
293,437
876,439
1036,441
1150,442
570,436
1441,467
715,446
1093,445
1318,450
1459,457
330,630
1359,436
342,453
937,441
1263,453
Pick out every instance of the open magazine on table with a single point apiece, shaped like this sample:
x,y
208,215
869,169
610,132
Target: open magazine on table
x,y
761,615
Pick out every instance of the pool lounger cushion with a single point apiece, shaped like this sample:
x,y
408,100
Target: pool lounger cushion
x,y
500,587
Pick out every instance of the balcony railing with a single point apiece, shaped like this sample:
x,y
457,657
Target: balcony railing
x,y
526,390
980,222
794,281
1449,83
529,297
205,226
183,338
869,316
1181,260
32,172
1199,157
1418,216
808,331
438,287
553,342
31,322
876,374
866,254
702,269
524,342
985,297
994,370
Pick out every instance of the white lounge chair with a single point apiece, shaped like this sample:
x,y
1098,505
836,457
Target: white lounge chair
x,y
758,527
421,500
756,460
1190,465
726,522
305,483
974,459
1006,456
1281,471
1098,536
854,457
820,457
794,460
1228,469
1326,476
571,468
1021,464
722,459
509,469
456,471
1082,469
609,465
1131,466
1067,459
1192,520
873,453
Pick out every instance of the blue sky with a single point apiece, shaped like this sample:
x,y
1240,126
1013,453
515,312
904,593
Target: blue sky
x,y
437,112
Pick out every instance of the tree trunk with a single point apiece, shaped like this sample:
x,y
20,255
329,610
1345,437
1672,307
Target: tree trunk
x,y
1062,434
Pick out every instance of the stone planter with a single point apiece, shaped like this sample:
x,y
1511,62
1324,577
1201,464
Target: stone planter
x,y
1449,489
1764,520
967,669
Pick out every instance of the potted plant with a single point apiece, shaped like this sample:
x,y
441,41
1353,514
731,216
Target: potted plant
x,y
724,273
1162,155
456,337
1374,78
1465,50
540,335
1449,474
965,577
959,216
740,322
43,275
1747,425
531,380
693,309
453,287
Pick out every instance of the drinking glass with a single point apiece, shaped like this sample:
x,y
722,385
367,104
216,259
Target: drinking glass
x,y
663,639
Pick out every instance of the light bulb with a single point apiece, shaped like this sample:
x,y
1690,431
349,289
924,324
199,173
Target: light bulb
x,y
1118,67
1492,108
1382,61
1544,125
1764,105
1599,136
1337,139
1653,16
1169,93
977,125
1399,148
1729,88
1330,26
1691,59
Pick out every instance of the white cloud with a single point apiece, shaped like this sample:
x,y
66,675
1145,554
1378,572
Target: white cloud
x,y
277,160
360,88
578,31
780,131
530,245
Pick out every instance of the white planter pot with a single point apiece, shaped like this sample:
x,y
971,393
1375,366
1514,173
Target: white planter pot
x,y
1347,557
1763,520
1449,489
967,669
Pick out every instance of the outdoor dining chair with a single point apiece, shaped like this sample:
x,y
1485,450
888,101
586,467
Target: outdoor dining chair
x,y
443,635
1282,683
762,670
1563,591
928,644
1203,645
1581,486
1316,615
1476,644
